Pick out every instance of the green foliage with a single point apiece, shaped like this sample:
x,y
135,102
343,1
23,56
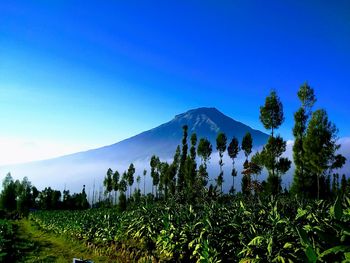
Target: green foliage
x,y
301,117
191,170
266,230
182,167
204,151
123,183
49,199
155,171
307,96
247,144
271,158
8,194
246,179
144,181
6,241
130,177
232,150
314,150
248,167
320,145
122,200
75,201
108,182
343,184
221,142
271,114
115,180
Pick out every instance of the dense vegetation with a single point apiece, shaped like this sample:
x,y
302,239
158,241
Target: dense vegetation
x,y
6,238
184,219
267,230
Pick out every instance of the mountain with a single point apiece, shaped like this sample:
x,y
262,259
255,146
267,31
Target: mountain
x,y
163,140
74,170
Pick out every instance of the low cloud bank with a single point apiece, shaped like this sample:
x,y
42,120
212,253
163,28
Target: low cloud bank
x,y
73,175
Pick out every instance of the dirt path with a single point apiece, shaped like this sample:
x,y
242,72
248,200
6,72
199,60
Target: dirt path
x,y
35,245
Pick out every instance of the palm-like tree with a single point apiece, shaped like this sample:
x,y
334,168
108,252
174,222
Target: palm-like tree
x,y
144,181
221,141
107,182
130,177
204,150
233,150
115,183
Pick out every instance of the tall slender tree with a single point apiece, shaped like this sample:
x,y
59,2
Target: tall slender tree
x,y
301,117
335,184
233,150
130,177
173,169
123,187
271,116
108,183
154,172
138,180
144,181
182,168
115,183
204,151
271,158
343,184
221,142
8,194
191,166
320,145
164,177
247,146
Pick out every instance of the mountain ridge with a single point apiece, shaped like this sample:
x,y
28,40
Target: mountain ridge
x,y
161,141
188,115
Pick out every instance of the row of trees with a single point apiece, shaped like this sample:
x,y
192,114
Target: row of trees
x,y
314,153
21,196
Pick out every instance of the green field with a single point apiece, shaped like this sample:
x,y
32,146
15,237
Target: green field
x,y
23,241
271,230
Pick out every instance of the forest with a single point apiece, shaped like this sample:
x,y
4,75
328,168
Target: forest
x,y
186,219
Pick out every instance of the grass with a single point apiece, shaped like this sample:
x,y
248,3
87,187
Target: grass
x,y
35,245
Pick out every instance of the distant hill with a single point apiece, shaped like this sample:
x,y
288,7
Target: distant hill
x,y
77,169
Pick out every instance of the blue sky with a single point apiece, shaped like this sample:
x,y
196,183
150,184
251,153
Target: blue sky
x,y
76,75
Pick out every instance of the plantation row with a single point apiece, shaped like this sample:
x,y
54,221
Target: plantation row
x,y
275,230
6,238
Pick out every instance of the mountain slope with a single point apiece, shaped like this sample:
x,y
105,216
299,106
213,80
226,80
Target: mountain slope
x,y
81,168
163,140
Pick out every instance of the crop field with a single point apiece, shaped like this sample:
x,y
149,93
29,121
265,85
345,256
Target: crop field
x,y
271,230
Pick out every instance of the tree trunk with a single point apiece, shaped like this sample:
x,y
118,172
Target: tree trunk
x,y
318,187
274,159
233,184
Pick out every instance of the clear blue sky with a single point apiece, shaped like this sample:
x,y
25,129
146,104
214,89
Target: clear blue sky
x,y
95,72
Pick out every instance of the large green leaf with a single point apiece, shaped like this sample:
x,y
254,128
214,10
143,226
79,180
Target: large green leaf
x,y
256,241
335,250
311,254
